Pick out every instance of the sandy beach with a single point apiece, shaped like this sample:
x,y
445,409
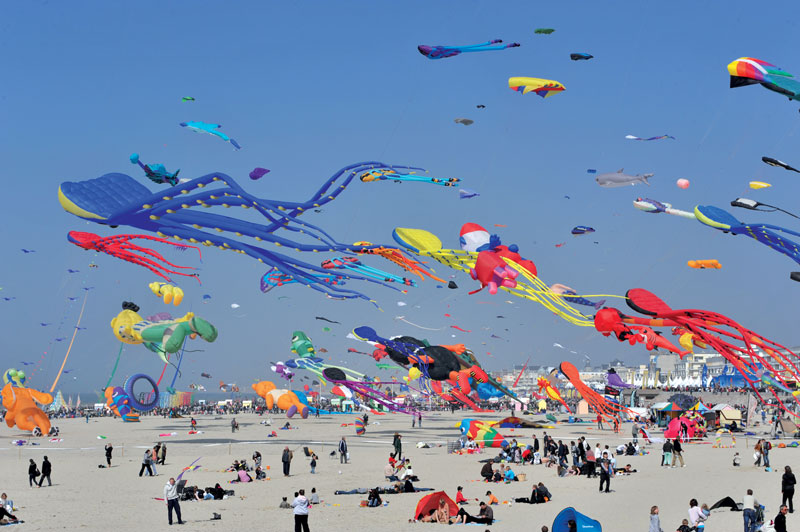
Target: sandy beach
x,y
90,498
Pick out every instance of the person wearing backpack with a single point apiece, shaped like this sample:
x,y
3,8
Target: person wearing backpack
x,y
765,449
33,472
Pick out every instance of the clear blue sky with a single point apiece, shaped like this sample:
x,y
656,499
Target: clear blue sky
x,y
309,87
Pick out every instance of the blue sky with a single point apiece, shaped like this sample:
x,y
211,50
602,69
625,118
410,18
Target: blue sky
x,y
307,88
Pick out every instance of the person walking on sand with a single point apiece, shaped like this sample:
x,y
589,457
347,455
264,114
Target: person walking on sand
x,y
234,425
171,499
146,464
47,468
419,421
300,505
343,451
599,422
606,472
286,458
33,472
194,424
787,488
398,446
162,454
109,451
677,452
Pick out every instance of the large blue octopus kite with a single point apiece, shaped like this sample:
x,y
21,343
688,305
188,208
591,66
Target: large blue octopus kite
x,y
117,199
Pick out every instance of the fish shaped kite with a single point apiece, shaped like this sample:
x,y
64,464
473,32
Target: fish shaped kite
x,y
211,129
388,174
156,173
464,121
542,87
620,179
780,164
443,52
724,221
580,56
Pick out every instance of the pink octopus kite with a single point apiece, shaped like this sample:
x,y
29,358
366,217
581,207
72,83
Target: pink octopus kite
x,y
120,246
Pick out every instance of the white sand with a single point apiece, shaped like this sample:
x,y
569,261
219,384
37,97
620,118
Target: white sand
x,y
85,497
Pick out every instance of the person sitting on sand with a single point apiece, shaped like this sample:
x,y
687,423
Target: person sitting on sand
x,y
542,493
440,515
389,472
492,499
235,466
498,475
487,473
242,476
531,499
460,499
314,499
217,492
736,460
685,527
284,503
6,503
509,476
374,498
485,516
260,474
6,518
574,471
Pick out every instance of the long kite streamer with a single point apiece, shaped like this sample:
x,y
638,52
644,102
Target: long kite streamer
x,y
114,371
74,333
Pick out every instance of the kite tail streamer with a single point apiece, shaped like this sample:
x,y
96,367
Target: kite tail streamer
x,y
114,371
74,333
178,367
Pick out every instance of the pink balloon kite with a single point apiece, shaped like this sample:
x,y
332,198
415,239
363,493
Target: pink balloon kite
x,y
683,183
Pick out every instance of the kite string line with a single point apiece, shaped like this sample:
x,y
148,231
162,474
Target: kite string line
x,y
74,333
114,371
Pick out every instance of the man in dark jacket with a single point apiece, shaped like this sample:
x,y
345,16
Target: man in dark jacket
x,y
286,458
46,469
535,444
780,520
343,451
677,452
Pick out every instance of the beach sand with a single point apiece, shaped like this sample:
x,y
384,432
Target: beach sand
x,y
89,498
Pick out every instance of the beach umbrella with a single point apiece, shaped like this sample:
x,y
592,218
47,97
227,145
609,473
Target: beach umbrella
x,y
431,502
700,407
671,407
582,522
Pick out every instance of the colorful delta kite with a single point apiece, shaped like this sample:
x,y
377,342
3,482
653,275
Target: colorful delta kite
x,y
156,173
756,185
117,199
20,405
750,71
443,52
609,410
542,87
722,220
120,246
211,129
660,137
162,337
388,174
477,241
752,355
285,400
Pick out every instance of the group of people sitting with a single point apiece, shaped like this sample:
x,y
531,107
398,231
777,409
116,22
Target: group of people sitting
x,y
6,507
503,474
441,515
539,494
399,470
193,493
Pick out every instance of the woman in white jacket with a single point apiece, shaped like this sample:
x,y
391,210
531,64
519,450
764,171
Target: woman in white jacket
x,y
300,505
